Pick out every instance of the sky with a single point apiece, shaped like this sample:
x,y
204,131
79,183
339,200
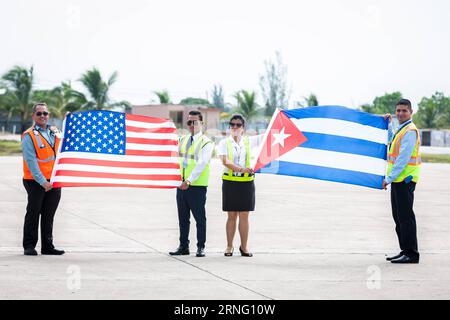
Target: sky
x,y
346,52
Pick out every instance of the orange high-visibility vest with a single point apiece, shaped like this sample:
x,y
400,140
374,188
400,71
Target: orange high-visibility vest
x,y
413,167
45,153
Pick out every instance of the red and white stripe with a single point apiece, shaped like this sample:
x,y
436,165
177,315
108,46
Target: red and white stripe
x,y
150,160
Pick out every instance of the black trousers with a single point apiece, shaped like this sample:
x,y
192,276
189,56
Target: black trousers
x,y
192,200
402,200
44,204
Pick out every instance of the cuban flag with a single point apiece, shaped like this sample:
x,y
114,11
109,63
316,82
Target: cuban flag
x,y
329,143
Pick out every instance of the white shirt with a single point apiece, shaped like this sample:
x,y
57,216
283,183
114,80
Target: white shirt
x,y
203,158
238,149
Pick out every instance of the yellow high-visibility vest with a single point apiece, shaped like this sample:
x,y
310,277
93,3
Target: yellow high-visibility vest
x,y
413,167
191,156
230,176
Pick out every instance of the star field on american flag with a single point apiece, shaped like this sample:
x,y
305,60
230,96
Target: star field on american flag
x,y
96,132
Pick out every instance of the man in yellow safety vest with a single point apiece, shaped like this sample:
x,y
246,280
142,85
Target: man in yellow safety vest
x,y
195,150
403,174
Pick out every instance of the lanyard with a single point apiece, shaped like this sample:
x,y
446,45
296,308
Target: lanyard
x,y
49,135
237,150
399,129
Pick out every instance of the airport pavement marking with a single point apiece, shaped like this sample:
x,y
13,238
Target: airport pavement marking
x,y
163,253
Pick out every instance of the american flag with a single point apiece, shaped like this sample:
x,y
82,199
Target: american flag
x,y
113,149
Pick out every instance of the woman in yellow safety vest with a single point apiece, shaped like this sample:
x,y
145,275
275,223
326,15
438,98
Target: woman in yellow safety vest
x,y
238,187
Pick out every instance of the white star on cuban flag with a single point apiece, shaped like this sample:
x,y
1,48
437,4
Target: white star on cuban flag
x,y
282,136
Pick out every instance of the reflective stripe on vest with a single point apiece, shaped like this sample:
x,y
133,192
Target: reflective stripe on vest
x,y
413,167
183,145
413,161
45,154
191,156
47,160
230,176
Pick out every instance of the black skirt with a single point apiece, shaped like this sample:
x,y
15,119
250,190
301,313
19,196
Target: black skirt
x,y
238,196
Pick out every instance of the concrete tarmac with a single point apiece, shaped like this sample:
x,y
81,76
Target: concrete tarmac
x,y
311,240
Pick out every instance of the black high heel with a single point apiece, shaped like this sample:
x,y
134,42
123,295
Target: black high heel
x,y
229,254
245,254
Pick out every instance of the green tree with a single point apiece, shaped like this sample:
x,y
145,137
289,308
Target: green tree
x,y
67,99
46,97
163,96
61,99
274,85
194,101
7,105
310,101
98,89
384,104
19,90
246,104
217,94
434,112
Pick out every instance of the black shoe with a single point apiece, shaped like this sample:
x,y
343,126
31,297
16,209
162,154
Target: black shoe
x,y
53,252
200,252
229,253
394,257
405,259
180,252
30,252
245,254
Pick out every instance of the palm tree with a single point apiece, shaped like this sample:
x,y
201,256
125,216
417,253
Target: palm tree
x,y
7,105
163,96
61,99
98,91
246,103
66,99
19,85
312,100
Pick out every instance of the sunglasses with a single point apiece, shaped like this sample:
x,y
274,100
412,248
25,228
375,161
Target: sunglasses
x,y
193,122
234,124
39,113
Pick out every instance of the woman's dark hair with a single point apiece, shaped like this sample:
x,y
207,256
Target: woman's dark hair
x,y
238,117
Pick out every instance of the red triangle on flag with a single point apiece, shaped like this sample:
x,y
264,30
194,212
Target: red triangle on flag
x,y
282,136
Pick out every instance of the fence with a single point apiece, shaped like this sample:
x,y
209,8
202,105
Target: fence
x,y
435,138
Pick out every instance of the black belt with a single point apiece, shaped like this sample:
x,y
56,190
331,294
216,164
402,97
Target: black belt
x,y
238,174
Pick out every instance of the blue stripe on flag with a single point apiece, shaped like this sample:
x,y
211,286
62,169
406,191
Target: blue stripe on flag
x,y
324,173
345,145
339,113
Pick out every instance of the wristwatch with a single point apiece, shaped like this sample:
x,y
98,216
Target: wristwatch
x,y
187,182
